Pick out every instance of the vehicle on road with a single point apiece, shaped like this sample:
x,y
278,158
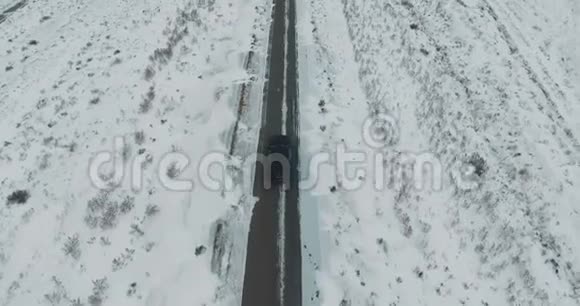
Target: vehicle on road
x,y
279,153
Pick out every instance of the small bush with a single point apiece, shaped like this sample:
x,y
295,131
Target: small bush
x,y
59,295
147,102
72,247
479,164
151,210
163,55
92,221
76,302
109,217
102,212
126,153
200,250
136,230
132,289
95,101
127,204
173,170
99,202
149,73
100,286
140,137
18,197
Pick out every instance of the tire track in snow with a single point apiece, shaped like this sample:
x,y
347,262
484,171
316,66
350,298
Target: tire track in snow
x,y
434,115
552,112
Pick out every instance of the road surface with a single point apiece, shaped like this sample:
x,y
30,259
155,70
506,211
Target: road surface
x,y
273,264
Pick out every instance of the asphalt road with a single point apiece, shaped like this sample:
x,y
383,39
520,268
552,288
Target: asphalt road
x,y
273,263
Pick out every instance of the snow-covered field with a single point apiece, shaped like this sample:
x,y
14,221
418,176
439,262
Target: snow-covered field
x,y
482,83
488,84
163,76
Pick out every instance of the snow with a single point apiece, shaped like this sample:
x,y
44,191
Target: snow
x,y
162,77
480,83
484,85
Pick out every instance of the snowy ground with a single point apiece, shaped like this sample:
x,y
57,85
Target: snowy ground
x,y
486,83
164,76
482,83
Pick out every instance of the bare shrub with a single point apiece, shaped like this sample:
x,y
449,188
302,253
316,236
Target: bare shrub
x,y
163,55
172,170
140,137
105,241
123,260
92,221
18,197
99,202
126,153
100,287
59,295
95,101
127,205
136,230
95,300
109,216
478,163
151,210
72,247
132,289
103,212
76,302
147,102
149,73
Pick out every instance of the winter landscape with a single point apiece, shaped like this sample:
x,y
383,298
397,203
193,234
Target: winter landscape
x,y
125,126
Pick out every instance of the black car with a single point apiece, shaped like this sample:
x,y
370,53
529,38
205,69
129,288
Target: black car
x,y
279,153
